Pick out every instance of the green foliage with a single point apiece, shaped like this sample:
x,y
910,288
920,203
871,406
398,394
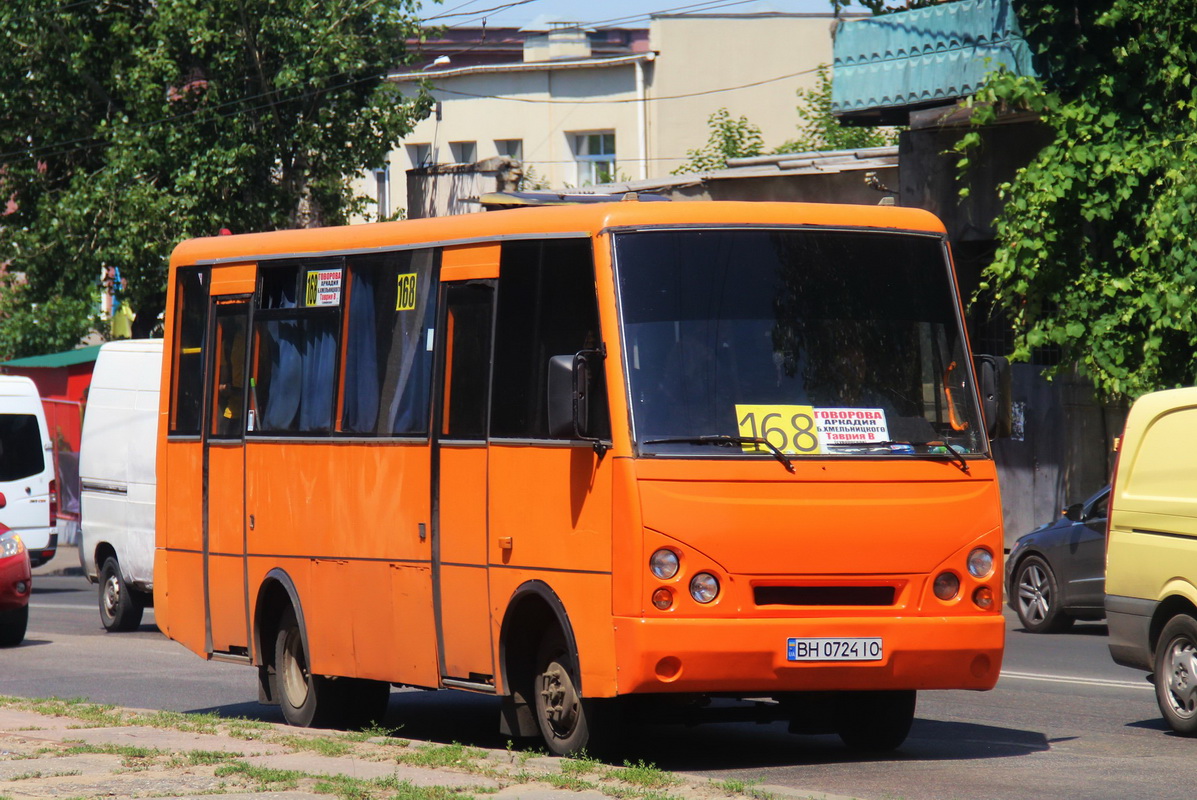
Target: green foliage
x,y
729,138
32,328
1094,250
881,6
128,125
819,130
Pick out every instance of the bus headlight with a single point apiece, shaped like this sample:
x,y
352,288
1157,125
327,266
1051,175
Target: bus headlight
x,y
664,564
980,563
947,586
704,587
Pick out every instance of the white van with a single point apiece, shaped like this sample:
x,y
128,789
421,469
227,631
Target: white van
x,y
117,479
28,490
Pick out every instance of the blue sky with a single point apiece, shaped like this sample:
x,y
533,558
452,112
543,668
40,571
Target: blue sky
x,y
615,13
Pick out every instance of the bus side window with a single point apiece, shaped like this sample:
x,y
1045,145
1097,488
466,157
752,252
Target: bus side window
x,y
191,312
391,308
296,330
547,307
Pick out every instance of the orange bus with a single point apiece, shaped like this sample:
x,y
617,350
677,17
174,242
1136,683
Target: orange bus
x,y
586,459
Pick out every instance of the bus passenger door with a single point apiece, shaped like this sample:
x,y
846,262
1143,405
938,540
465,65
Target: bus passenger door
x,y
225,606
459,503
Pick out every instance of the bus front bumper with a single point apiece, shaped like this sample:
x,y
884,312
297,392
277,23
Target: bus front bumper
x,y
739,656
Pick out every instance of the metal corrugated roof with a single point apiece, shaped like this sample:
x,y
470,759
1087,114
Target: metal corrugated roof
x,y
67,358
929,56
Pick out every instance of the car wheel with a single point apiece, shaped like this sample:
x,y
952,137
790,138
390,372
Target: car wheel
x,y
1038,598
875,722
12,626
119,609
1176,674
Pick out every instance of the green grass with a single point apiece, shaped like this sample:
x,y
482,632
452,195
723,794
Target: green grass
x,y
324,745
442,755
264,778
25,776
93,715
645,775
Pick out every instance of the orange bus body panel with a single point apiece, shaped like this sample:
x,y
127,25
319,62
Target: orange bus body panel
x,y
553,505
470,262
328,515
463,575
234,279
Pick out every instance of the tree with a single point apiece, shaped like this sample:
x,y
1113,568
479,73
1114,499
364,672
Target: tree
x,y
1094,241
128,125
819,130
729,138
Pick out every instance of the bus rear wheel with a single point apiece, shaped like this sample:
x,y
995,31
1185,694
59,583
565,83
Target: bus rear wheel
x,y
875,722
317,701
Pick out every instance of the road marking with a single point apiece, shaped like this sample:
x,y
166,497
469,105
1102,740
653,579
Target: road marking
x,y
70,607
1031,676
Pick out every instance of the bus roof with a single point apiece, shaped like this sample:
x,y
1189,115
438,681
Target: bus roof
x,y
585,220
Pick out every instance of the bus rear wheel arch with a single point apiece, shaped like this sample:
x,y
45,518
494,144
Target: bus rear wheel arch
x,y
308,700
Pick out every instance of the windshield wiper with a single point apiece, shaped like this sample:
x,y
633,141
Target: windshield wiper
x,y
957,456
723,440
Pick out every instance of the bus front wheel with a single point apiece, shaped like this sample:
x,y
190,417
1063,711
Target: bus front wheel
x,y
568,722
875,722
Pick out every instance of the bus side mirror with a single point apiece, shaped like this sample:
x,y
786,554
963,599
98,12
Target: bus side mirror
x,y
567,396
993,377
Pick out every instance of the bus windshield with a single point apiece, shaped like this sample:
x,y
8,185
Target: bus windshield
x,y
819,342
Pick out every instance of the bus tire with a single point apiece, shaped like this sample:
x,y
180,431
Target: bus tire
x,y
12,626
567,721
306,700
875,722
1176,674
119,609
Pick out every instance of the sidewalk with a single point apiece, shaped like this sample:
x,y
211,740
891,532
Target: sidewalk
x,y
60,749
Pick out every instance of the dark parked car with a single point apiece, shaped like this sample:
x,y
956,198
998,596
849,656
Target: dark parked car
x,y
14,587
1056,574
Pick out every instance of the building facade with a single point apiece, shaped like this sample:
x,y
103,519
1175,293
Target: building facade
x,y
582,107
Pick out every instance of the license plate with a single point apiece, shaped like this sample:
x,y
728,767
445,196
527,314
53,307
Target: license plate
x,y
835,649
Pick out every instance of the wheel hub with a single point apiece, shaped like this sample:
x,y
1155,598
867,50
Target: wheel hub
x,y
559,699
112,595
293,674
1182,678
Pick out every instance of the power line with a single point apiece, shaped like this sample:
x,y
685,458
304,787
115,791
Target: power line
x,y
703,93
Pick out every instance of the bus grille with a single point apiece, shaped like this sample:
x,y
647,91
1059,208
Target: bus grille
x,y
824,595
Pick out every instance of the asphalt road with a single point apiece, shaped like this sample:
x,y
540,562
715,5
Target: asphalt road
x,y
1064,721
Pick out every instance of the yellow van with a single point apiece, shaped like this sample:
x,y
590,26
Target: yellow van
x,y
1151,556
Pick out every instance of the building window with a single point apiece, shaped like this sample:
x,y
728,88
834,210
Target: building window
x,y
595,156
512,148
420,155
464,152
382,192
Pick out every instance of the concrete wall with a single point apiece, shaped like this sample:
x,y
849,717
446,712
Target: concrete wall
x,y
697,56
